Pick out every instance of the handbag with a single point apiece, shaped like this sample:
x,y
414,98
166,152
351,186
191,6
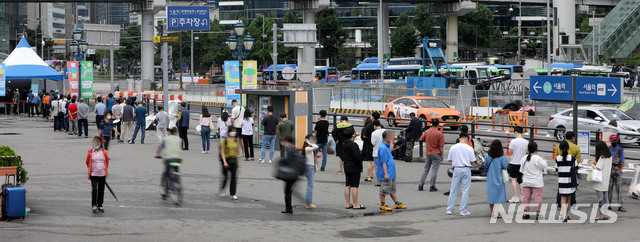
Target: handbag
x,y
505,174
595,175
198,128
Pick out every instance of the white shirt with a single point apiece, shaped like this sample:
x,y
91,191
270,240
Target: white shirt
x,y
376,140
247,126
237,114
63,105
224,127
309,154
532,171
519,147
461,155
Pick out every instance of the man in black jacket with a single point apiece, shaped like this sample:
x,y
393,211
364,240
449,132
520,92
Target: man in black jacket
x,y
412,133
350,155
294,160
340,134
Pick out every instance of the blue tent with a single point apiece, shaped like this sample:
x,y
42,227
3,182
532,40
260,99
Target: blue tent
x,y
24,63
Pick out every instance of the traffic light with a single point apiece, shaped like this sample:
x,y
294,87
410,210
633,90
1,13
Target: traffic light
x,y
557,51
522,62
601,57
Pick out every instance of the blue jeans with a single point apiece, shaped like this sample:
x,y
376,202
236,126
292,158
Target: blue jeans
x,y
205,132
271,140
461,179
142,127
323,148
308,172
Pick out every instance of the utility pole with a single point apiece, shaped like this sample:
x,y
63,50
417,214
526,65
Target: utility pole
x,y
274,55
548,38
192,64
593,43
519,30
165,69
111,63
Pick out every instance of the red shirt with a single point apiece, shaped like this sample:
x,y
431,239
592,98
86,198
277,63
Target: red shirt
x,y
73,110
434,140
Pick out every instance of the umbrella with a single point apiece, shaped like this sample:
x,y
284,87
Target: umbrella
x,y
111,190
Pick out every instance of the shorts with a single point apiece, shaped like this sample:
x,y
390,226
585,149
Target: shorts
x,y
352,179
238,132
388,187
514,172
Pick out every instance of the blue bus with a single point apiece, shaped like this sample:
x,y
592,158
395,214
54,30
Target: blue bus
x,y
394,61
370,72
323,74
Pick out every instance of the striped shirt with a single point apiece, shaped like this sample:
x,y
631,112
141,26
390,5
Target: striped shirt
x,y
564,174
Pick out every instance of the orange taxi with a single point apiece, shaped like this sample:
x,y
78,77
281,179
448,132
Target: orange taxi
x,y
425,108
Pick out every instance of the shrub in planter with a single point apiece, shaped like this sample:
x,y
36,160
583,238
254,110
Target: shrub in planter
x,y
6,151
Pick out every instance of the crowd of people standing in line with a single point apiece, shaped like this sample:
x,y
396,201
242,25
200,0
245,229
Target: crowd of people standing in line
x,y
118,119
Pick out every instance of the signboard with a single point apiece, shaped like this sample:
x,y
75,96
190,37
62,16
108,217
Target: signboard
x,y
598,89
552,88
73,72
288,73
34,88
249,77
86,79
59,42
584,143
188,18
3,81
588,89
160,39
232,81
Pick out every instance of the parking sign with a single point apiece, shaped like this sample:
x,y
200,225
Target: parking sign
x,y
188,18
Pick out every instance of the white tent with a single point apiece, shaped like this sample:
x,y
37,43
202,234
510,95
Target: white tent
x,y
24,63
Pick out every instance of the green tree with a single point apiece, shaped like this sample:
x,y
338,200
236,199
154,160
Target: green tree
x,y
262,47
424,21
476,28
130,45
330,34
403,39
372,38
291,17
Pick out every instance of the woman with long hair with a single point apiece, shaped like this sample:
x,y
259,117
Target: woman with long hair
x,y
567,178
247,135
603,164
224,122
532,168
495,162
308,148
205,130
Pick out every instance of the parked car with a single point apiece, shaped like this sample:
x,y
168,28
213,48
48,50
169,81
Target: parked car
x,y
344,78
595,119
217,80
425,108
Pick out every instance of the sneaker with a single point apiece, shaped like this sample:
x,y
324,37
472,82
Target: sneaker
x,y
420,188
132,141
141,141
261,161
221,193
340,173
207,152
270,161
449,212
321,168
467,213
203,152
385,207
526,216
95,209
575,207
433,189
120,141
100,209
447,193
234,197
400,206
310,206
514,200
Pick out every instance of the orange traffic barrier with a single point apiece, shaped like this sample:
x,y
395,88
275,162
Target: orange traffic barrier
x,y
502,123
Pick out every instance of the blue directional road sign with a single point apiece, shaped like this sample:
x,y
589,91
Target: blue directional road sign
x,y
598,89
551,88
188,18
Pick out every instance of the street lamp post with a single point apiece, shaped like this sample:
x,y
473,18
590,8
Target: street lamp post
x,y
240,47
79,48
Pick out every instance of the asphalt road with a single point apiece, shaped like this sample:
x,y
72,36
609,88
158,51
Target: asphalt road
x,y
59,198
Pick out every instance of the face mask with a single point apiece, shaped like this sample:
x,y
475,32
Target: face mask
x,y
108,117
232,134
96,147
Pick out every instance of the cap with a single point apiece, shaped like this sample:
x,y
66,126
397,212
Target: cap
x,y
57,91
613,138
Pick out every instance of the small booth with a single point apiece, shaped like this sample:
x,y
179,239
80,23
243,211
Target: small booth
x,y
295,103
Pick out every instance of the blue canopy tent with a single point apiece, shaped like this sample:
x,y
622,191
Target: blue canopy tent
x,y
24,63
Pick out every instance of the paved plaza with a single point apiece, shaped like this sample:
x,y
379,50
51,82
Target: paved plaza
x,y
58,194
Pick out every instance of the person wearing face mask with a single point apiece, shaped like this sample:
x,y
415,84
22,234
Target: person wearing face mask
x,y
105,129
97,163
230,162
